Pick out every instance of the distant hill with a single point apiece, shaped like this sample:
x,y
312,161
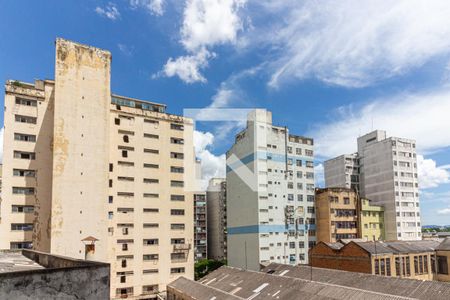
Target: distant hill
x,y
435,226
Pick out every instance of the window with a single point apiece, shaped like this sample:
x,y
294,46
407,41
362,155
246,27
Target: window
x,y
150,180
177,141
442,264
298,162
176,183
24,155
289,150
117,121
176,126
26,102
149,242
150,271
176,270
309,175
177,241
177,169
123,178
151,121
310,198
150,289
124,153
298,151
20,245
176,155
150,195
125,163
23,190
24,173
310,209
153,151
177,197
22,226
150,257
177,226
346,200
25,119
151,136
22,208
177,212
377,267
388,266
177,256
151,210
309,152
151,225
151,166
309,164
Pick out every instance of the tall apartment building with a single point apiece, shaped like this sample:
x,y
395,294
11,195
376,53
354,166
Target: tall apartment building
x,y
270,195
342,171
89,173
200,226
388,177
216,197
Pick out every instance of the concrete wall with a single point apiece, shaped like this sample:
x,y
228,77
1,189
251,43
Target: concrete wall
x,y
62,279
216,208
80,149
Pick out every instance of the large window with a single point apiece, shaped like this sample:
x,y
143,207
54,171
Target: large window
x,y
442,263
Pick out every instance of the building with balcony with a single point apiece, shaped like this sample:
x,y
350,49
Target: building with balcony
x,y
337,214
216,197
84,165
270,195
200,226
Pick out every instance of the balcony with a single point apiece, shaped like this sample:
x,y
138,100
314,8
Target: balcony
x,y
181,247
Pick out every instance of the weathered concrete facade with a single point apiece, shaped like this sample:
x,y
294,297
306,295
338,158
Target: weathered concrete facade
x,y
216,197
80,162
56,278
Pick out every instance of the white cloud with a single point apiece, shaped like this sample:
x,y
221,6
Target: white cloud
x,y
1,143
206,23
155,7
211,165
421,116
430,175
444,211
110,11
128,51
350,43
210,22
187,68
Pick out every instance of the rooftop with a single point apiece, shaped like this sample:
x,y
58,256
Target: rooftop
x,y
393,286
244,284
12,261
445,245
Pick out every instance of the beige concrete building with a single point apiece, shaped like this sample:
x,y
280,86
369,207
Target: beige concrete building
x,y
80,162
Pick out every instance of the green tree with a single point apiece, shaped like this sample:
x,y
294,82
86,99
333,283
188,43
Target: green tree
x,y
205,266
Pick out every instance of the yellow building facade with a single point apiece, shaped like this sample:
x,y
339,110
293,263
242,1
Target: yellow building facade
x,y
371,221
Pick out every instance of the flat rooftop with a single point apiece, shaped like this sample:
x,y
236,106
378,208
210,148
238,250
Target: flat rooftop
x,y
13,261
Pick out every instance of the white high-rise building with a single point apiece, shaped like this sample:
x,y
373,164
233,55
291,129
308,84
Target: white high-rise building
x,y
387,174
270,195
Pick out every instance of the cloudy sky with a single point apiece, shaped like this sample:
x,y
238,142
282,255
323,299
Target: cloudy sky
x,y
332,70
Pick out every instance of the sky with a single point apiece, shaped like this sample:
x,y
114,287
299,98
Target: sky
x,y
330,70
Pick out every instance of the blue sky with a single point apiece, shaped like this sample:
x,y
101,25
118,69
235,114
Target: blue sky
x,y
326,69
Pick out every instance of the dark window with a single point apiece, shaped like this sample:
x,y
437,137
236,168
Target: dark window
x,y
110,167
117,121
442,265
124,153
126,139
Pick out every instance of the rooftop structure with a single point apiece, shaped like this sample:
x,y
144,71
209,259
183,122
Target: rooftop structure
x,y
30,275
278,281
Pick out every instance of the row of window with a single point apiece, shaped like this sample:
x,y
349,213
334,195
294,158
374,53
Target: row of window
x,y
173,183
173,126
